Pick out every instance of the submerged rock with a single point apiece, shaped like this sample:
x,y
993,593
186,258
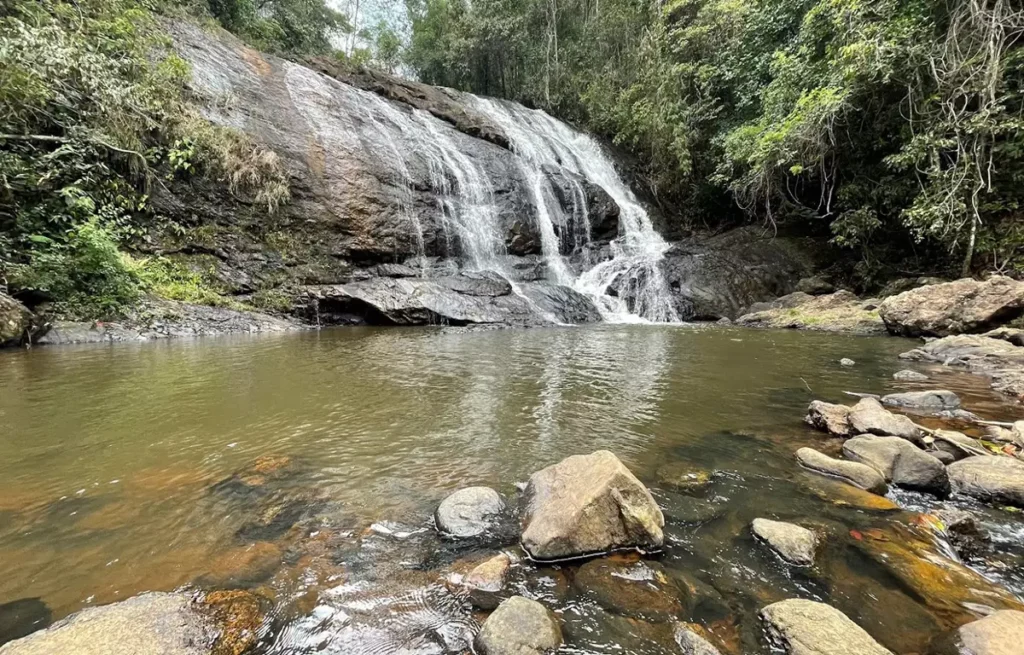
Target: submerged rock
x,y
834,419
684,477
636,589
900,462
691,643
22,617
793,543
859,475
994,479
869,417
907,375
1000,633
519,626
469,512
164,623
804,627
588,504
936,400
958,307
487,580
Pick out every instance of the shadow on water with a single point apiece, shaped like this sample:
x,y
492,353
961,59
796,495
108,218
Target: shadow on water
x,y
306,468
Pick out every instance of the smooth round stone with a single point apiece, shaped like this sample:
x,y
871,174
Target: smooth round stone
x,y
519,626
469,512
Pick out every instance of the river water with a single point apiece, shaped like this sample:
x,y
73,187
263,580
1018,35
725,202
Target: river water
x,y
307,466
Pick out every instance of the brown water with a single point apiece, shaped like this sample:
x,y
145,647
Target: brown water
x,y
307,465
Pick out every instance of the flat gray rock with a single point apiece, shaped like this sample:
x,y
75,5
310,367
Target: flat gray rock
x,y
804,627
150,624
868,416
469,512
857,474
935,400
794,544
519,626
907,375
1000,633
900,462
994,479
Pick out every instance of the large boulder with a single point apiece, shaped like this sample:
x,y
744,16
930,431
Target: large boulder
x,y
900,462
793,543
994,479
869,417
999,633
588,504
841,311
805,627
15,321
156,623
470,512
963,306
519,626
859,475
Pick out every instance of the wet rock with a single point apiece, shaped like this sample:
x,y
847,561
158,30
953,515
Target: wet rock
x,y
636,589
900,462
690,511
954,445
239,615
814,286
841,311
847,495
963,306
168,624
907,375
1000,361
22,617
964,532
591,629
834,419
588,504
15,321
804,627
691,643
470,512
243,566
846,361
519,626
1001,633
792,543
935,400
859,475
869,417
684,477
993,479
487,580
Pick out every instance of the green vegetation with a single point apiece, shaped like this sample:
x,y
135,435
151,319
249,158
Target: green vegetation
x,y
893,126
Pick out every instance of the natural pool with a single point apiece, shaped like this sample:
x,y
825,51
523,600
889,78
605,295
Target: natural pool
x,y
306,466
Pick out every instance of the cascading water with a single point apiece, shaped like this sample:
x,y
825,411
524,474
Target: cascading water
x,y
634,267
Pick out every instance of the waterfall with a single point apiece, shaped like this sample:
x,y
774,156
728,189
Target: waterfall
x,y
634,267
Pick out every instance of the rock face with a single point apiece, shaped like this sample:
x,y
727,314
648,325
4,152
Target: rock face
x,y
588,504
834,419
933,401
900,462
519,626
469,512
841,311
869,417
158,623
15,320
995,479
794,544
963,306
804,627
859,475
1000,633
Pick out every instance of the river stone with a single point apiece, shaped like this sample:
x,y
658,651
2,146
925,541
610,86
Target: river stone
x,y
935,400
834,419
15,320
846,361
859,475
907,375
588,504
469,512
1000,633
519,626
900,462
20,618
150,624
869,417
994,479
487,580
639,590
691,643
955,452
804,627
794,544
958,307
684,477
